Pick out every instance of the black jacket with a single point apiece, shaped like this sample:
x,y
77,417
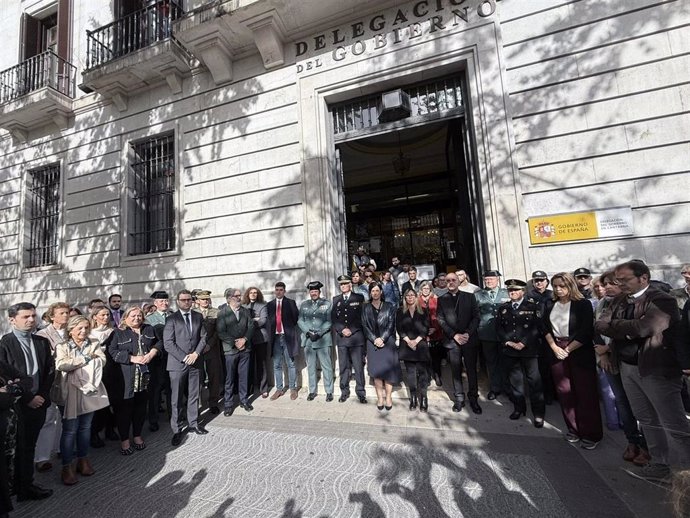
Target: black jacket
x,y
384,323
411,327
121,345
524,324
348,315
289,315
11,352
229,329
580,328
458,313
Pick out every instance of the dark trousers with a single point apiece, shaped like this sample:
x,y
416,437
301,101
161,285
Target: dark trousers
x,y
213,363
578,395
497,371
131,413
179,381
438,354
159,382
544,361
260,367
625,412
458,355
237,377
29,426
350,358
5,499
103,418
417,378
520,369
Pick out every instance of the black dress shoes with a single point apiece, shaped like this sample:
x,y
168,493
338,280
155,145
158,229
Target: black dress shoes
x,y
492,395
457,406
228,411
154,427
329,398
437,380
34,492
539,422
247,407
413,402
342,398
214,410
423,404
362,399
311,396
199,430
474,405
516,415
176,439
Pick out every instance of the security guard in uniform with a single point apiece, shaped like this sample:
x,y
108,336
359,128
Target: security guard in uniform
x,y
489,299
213,362
315,322
346,316
519,325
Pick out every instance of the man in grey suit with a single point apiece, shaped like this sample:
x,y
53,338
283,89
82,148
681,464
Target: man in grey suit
x,y
184,339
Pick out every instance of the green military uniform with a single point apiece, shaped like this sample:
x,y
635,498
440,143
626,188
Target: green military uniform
x,y
489,300
159,380
315,323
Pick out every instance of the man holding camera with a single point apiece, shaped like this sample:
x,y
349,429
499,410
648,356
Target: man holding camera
x,y
30,355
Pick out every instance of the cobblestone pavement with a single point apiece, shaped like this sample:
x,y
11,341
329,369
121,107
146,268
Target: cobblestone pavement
x,y
349,460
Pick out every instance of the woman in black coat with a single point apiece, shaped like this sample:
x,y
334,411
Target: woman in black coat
x,y
570,334
130,349
378,323
413,329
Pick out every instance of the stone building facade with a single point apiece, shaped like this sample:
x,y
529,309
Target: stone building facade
x,y
169,144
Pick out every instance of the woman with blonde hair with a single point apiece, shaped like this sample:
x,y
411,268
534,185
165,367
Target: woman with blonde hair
x,y
570,324
413,329
130,349
79,392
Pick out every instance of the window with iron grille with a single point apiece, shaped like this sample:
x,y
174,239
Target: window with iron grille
x,y
43,210
152,204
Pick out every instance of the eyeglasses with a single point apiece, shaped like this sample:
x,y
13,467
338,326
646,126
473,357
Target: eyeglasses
x,y
184,300
514,289
582,276
539,280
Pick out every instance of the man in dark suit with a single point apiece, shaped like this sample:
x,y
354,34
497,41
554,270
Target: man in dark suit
x,y
184,339
284,335
235,328
412,282
346,316
116,312
458,316
30,355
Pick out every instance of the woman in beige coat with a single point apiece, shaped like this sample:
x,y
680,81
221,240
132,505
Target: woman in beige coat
x,y
79,392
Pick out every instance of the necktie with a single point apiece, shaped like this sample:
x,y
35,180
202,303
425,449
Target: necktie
x,y
188,322
492,295
279,318
346,297
515,305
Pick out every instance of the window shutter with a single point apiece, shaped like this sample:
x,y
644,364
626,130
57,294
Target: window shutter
x,y
30,35
64,23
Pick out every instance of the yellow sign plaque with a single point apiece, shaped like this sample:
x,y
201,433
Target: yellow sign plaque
x,y
577,226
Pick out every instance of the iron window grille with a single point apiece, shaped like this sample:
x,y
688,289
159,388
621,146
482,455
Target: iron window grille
x,y
152,204
43,215
426,98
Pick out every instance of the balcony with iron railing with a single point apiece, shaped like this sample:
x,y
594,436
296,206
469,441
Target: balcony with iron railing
x,y
36,92
134,52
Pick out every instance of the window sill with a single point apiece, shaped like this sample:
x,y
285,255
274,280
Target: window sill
x,y
142,259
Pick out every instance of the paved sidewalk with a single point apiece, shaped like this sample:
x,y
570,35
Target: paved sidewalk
x,y
303,459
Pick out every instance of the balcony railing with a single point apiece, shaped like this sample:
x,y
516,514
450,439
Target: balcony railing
x,y
43,70
135,31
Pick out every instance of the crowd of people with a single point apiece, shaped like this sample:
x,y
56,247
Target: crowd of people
x,y
620,339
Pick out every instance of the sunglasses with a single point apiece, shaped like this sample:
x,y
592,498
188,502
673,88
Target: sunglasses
x,y
582,276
